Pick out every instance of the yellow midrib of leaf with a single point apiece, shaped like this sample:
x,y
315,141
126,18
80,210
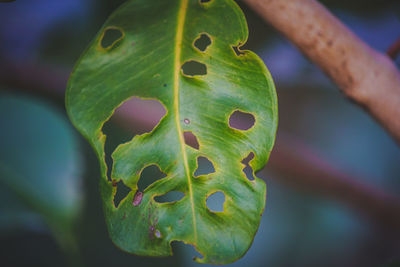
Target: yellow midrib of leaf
x,y
177,66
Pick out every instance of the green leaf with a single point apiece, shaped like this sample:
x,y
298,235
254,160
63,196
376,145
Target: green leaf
x,y
183,53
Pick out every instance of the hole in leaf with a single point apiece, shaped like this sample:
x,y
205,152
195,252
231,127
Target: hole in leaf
x,y
191,140
180,248
171,196
111,37
204,167
205,1
248,170
115,135
194,68
237,50
119,129
215,202
247,159
202,42
153,232
157,233
149,175
146,113
241,121
122,192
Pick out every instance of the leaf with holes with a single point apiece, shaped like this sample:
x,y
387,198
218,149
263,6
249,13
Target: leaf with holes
x,y
220,112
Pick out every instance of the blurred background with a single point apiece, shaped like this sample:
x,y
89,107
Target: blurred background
x,y
333,179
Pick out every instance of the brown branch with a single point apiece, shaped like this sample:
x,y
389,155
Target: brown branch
x,y
394,50
297,164
364,75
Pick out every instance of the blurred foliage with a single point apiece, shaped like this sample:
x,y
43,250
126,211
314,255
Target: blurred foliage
x,y
39,168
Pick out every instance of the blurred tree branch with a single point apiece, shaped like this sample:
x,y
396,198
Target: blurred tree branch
x,y
296,163
366,76
301,167
394,49
35,79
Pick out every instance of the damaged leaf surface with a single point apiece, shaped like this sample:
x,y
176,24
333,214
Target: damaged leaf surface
x,y
153,40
